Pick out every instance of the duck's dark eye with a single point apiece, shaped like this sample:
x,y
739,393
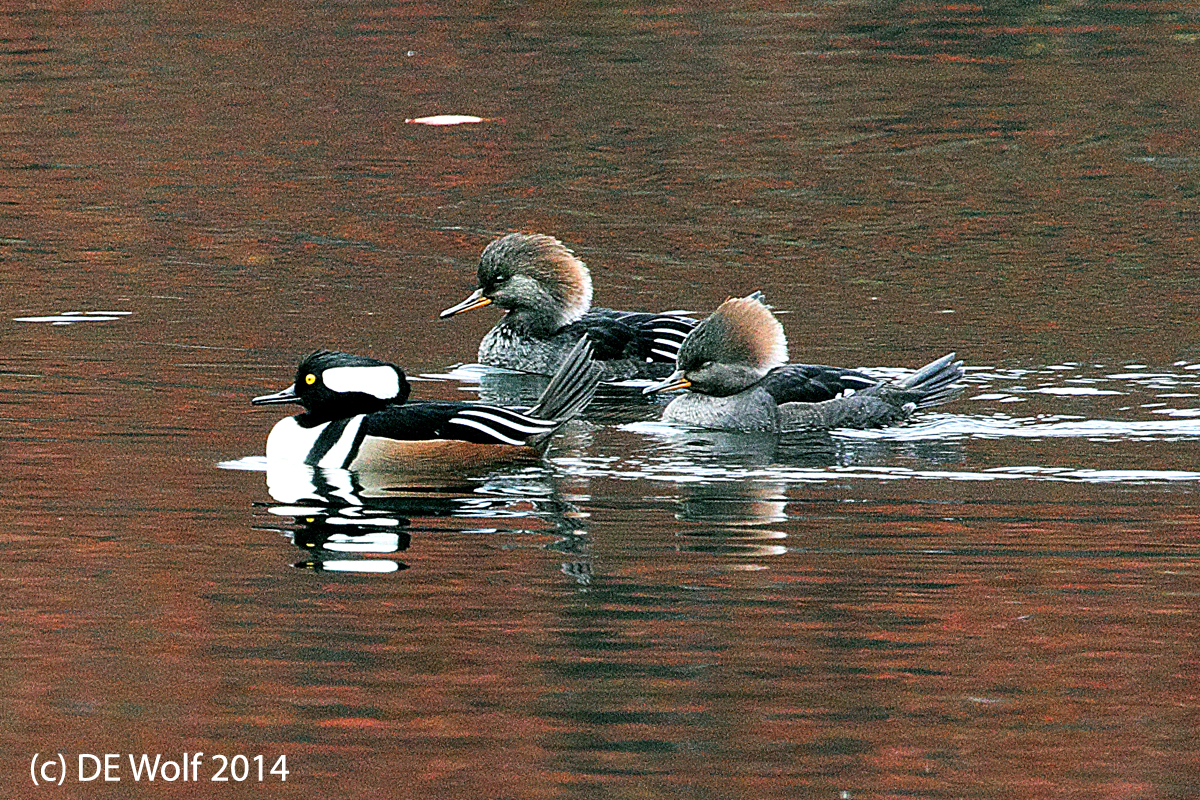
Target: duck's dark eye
x,y
310,379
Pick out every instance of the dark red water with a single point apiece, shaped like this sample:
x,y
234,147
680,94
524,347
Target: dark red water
x,y
999,600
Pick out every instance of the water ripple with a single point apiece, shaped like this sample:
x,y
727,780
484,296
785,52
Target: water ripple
x,y
962,426
675,472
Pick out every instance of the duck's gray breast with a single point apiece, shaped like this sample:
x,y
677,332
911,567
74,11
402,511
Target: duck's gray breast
x,y
754,410
504,347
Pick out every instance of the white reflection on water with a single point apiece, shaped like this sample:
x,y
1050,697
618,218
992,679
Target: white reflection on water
x,y
951,427
1078,391
675,472
376,566
247,464
685,456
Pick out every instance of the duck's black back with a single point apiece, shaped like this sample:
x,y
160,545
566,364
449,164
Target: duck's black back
x,y
813,383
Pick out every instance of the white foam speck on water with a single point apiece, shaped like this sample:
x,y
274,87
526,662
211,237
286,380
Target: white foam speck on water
x,y
1080,391
72,317
247,464
445,119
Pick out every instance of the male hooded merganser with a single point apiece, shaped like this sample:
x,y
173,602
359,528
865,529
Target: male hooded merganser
x,y
734,365
355,417
547,293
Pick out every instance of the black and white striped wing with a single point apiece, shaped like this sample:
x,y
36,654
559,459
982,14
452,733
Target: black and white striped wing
x,y
664,335
464,422
635,334
492,425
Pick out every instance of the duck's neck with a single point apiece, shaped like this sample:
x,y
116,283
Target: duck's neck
x,y
318,416
541,322
724,380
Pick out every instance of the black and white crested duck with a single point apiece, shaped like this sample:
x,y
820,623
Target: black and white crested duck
x,y
357,416
734,366
547,294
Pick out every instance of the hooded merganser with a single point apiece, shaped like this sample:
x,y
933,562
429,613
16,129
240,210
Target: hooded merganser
x,y
355,417
547,293
733,362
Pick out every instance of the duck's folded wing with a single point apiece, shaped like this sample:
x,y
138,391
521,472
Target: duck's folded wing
x,y
467,422
635,334
814,383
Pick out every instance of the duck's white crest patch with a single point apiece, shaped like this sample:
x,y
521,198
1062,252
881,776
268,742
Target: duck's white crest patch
x,y
381,382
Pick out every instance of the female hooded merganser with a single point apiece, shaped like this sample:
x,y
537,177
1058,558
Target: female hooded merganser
x,y
734,365
547,293
355,417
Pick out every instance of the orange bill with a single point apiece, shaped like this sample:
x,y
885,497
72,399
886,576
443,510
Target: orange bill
x,y
475,300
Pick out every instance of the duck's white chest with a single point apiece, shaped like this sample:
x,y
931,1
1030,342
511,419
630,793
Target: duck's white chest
x,y
318,446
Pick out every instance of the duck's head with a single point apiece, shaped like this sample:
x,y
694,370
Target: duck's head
x,y
540,282
331,385
729,351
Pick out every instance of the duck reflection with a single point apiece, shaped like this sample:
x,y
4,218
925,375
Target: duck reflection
x,y
746,448
341,540
358,522
735,503
728,516
810,449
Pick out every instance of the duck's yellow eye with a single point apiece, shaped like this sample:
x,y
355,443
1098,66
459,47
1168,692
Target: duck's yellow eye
x,y
310,379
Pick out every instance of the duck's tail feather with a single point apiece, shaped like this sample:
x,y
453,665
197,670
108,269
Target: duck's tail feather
x,y
572,387
935,383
